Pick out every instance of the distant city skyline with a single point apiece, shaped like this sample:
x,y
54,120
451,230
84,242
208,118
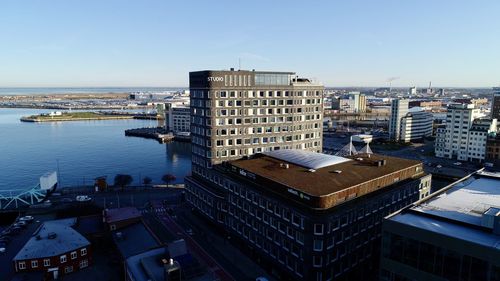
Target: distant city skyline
x,y
342,44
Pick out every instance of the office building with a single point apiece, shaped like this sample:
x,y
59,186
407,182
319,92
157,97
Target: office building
x,y
452,140
452,235
415,125
178,116
238,113
495,104
307,215
55,249
399,108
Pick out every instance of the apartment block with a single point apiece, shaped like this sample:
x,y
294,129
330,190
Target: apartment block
x,y
399,109
452,141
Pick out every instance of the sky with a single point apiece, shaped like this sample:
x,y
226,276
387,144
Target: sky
x,y
104,43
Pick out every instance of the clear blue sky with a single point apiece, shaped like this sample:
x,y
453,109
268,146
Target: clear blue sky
x,y
341,43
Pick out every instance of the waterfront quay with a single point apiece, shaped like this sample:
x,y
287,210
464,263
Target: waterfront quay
x,y
58,116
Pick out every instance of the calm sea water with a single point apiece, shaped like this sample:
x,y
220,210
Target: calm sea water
x,y
84,150
96,90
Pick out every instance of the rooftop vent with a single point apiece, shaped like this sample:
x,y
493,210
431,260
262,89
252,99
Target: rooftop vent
x,y
38,237
52,235
489,217
284,165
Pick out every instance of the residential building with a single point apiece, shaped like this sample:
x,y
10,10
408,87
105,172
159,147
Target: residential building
x,y
426,103
354,102
307,215
399,108
415,125
495,104
452,235
412,91
238,113
56,249
177,116
493,149
452,140
478,134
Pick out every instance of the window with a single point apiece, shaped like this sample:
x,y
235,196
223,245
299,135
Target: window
x,y
46,262
63,258
317,261
318,229
83,252
34,264
73,255
318,245
21,265
68,269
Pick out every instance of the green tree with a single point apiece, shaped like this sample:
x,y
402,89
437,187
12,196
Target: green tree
x,y
123,180
167,178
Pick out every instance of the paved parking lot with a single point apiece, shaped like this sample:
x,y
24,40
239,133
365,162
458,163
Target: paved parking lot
x,y
13,247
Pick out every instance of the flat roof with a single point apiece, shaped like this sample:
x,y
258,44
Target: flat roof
x,y
458,210
120,214
134,239
66,240
329,174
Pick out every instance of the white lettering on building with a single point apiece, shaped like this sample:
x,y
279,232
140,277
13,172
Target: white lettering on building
x,y
215,79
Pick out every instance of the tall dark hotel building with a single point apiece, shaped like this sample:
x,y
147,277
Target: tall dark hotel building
x,y
257,174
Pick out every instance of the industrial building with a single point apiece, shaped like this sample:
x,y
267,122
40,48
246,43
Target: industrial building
x,y
452,235
308,215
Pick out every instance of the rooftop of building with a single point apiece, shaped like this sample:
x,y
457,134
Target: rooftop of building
x,y
244,70
53,238
134,239
149,266
459,210
325,177
121,214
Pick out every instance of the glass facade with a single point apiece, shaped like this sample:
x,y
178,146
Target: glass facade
x,y
272,79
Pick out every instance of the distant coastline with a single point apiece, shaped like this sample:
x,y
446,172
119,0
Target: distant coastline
x,y
35,91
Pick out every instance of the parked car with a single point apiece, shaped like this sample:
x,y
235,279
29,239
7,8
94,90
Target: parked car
x,y
2,250
439,166
83,198
66,200
457,163
27,218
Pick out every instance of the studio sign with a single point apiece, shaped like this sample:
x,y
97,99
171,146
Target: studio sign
x,y
215,79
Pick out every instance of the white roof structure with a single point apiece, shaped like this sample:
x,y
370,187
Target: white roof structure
x,y
459,211
308,159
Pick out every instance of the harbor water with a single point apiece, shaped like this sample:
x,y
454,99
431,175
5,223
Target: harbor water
x,y
82,151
